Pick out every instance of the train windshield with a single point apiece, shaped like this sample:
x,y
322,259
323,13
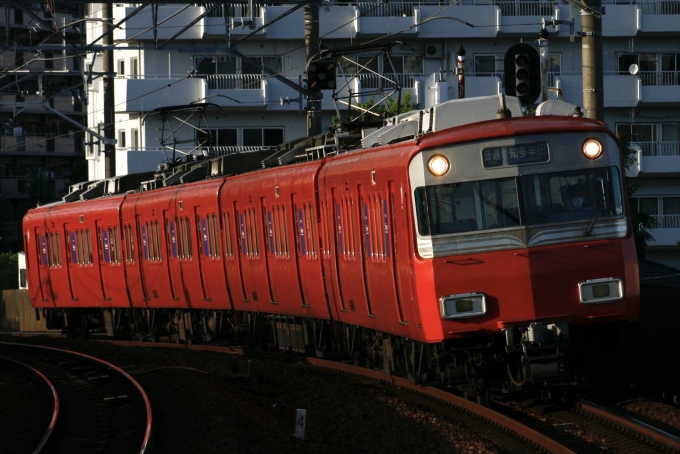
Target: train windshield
x,y
526,200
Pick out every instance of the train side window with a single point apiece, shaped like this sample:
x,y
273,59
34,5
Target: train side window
x,y
151,244
285,232
199,232
48,246
116,243
129,244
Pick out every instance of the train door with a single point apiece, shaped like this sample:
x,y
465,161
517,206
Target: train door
x,y
301,248
43,268
71,258
244,251
104,254
143,255
176,251
206,252
350,250
399,253
232,263
378,260
268,252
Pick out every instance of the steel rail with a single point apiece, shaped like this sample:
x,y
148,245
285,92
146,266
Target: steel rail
x,y
145,398
55,400
506,423
645,431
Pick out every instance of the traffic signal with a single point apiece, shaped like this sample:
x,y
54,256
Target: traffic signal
x,y
321,75
523,73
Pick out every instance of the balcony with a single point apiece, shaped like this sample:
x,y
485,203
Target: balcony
x,y
145,93
38,145
171,19
666,231
659,158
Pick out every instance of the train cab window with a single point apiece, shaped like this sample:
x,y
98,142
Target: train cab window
x,y
465,207
572,195
568,196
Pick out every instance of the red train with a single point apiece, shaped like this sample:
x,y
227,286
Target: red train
x,y
444,246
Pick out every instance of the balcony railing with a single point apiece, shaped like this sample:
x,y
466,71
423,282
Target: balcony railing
x,y
661,7
660,77
235,10
659,148
666,221
396,9
406,80
235,81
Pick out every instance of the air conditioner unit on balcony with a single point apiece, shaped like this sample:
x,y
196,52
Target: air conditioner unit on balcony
x,y
434,51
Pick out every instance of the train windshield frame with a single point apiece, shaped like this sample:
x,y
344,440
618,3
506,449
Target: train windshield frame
x,y
519,201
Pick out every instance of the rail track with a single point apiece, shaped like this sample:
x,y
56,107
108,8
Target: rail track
x,y
589,427
95,406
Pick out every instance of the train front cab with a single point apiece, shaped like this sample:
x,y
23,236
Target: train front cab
x,y
505,259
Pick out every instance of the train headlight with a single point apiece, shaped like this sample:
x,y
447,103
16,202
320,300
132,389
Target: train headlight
x,y
592,149
463,305
601,290
438,165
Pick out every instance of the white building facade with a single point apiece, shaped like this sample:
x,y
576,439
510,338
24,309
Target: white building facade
x,y
242,106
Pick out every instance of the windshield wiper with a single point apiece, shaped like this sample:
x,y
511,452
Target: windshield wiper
x,y
589,230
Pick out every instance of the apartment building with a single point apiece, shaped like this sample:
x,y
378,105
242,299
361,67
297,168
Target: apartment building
x,y
41,95
178,90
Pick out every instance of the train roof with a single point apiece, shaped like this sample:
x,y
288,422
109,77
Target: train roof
x,y
466,118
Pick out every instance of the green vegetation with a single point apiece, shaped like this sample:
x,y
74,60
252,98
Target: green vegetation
x,y
9,270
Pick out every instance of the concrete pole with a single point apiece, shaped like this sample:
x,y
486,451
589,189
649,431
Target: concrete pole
x,y
109,100
312,51
593,80
543,52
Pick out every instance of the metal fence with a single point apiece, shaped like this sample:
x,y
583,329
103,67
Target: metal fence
x,y
660,77
659,148
235,10
666,221
406,80
235,81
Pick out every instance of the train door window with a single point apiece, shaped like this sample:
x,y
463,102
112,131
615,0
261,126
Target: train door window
x,y
89,247
276,227
202,249
58,251
284,221
187,238
311,231
150,242
129,244
114,244
48,249
180,238
228,245
79,238
100,244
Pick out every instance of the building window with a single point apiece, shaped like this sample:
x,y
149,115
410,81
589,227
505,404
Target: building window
x,y
234,137
655,139
134,68
209,65
653,69
121,139
121,68
488,65
135,139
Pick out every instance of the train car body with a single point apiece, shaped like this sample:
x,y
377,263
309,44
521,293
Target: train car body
x,y
447,242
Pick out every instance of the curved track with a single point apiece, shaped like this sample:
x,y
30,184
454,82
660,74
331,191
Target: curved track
x,y
91,402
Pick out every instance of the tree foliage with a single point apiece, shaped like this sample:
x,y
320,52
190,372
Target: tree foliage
x,y
9,270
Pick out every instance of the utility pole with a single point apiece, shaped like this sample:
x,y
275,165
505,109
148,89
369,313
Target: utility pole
x,y
109,100
591,49
312,51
